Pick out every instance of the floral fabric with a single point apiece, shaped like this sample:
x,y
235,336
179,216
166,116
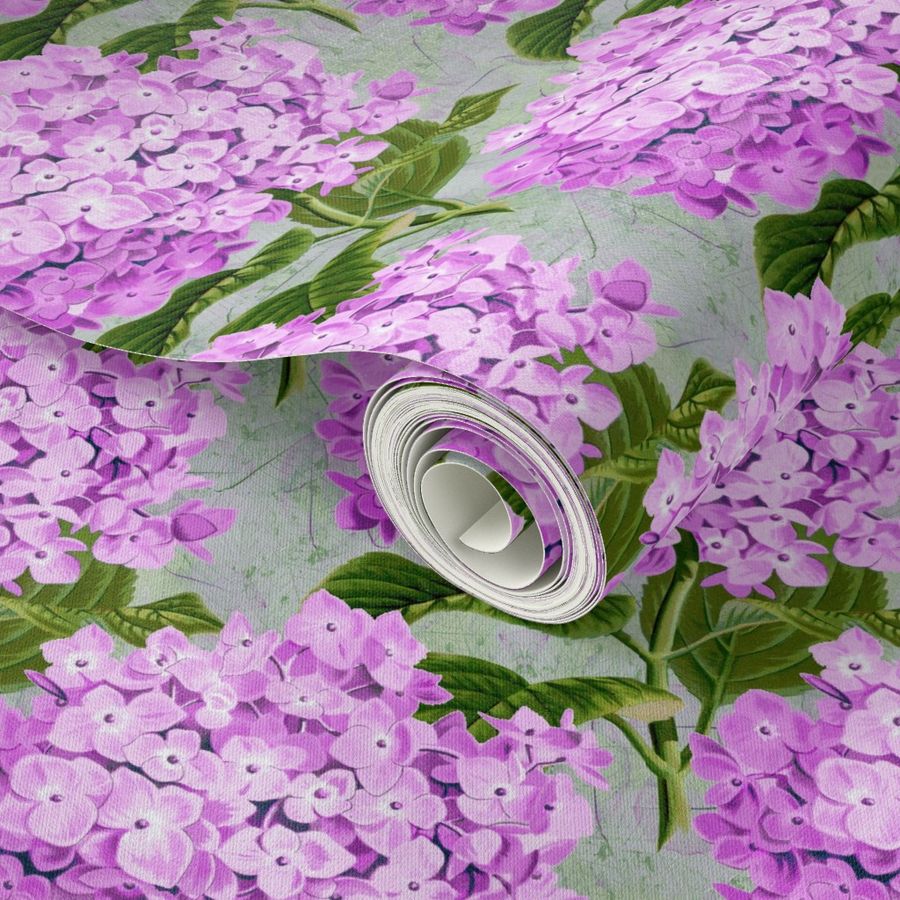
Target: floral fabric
x,y
661,240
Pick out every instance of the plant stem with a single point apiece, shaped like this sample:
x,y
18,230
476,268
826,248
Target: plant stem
x,y
628,641
714,700
712,636
656,765
674,809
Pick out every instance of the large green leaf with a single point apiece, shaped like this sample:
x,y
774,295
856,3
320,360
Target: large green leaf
x,y
28,36
332,13
706,389
154,40
159,332
20,643
102,594
350,273
479,686
278,309
868,321
549,34
380,582
792,251
591,698
417,163
637,464
186,612
43,612
476,685
826,624
770,655
649,6
619,503
60,609
200,16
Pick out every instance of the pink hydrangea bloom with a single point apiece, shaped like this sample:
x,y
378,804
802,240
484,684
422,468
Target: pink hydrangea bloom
x,y
715,104
809,808
814,449
120,779
124,185
99,448
482,309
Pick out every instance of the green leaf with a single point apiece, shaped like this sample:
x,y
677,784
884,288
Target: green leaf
x,y
706,389
332,13
479,686
43,612
154,40
408,173
186,612
469,111
25,37
350,273
20,643
549,34
636,464
60,609
278,309
619,503
413,176
868,321
826,625
292,378
792,251
770,655
159,332
476,685
200,16
590,698
381,582
55,620
648,6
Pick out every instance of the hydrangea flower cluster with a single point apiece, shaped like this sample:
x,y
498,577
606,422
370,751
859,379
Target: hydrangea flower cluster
x,y
482,309
810,808
465,17
280,767
814,448
92,441
118,186
716,103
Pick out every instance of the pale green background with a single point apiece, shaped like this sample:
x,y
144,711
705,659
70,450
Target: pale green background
x,y
271,466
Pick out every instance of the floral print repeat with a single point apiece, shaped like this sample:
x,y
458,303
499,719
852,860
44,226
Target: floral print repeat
x,y
200,203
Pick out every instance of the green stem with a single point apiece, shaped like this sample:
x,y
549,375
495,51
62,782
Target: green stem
x,y
330,214
712,636
342,17
656,765
712,703
674,809
428,219
628,641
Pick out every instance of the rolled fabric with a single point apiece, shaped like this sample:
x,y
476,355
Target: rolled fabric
x,y
565,302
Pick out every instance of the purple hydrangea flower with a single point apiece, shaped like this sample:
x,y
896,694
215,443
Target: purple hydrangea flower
x,y
715,105
809,808
127,780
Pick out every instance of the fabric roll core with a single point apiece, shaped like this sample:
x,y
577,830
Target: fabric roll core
x,y
483,497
